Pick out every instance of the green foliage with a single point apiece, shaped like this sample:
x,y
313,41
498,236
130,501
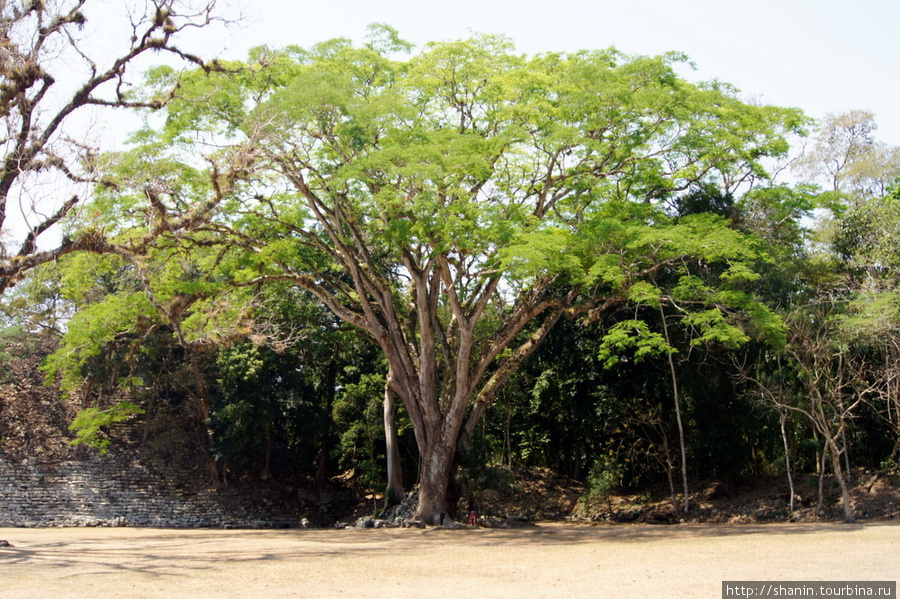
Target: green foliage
x,y
604,477
635,337
358,413
90,331
871,317
867,242
292,401
714,329
410,144
89,422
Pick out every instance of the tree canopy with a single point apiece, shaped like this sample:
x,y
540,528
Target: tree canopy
x,y
454,206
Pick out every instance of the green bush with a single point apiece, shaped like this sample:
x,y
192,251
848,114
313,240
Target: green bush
x,y
605,475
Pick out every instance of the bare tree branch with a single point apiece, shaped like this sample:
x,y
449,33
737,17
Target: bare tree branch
x,y
37,39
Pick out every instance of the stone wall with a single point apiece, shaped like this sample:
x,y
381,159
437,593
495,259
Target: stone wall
x,y
121,491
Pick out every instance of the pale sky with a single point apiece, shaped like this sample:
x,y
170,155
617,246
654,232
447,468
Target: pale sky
x,y
820,55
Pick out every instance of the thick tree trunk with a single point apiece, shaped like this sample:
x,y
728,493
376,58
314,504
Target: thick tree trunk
x,y
435,474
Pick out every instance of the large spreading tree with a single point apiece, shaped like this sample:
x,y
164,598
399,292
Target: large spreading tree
x,y
455,203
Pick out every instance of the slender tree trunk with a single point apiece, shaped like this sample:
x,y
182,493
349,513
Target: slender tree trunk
x,y
677,398
393,493
782,416
684,476
507,438
821,464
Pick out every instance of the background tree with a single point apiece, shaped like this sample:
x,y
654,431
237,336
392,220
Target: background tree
x,y
869,250
847,158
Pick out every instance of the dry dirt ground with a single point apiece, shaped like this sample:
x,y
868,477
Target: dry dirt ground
x,y
555,560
